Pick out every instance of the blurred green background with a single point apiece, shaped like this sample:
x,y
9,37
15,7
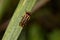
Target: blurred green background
x,y
43,25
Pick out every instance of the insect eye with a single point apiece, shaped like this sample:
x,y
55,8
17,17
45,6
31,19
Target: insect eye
x,y
28,13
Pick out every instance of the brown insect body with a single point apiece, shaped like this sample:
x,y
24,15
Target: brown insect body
x,y
24,20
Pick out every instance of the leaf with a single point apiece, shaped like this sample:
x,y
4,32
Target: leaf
x,y
13,29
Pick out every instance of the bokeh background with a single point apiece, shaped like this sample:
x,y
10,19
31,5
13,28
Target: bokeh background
x,y
43,25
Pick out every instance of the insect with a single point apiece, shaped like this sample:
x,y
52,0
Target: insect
x,y
25,19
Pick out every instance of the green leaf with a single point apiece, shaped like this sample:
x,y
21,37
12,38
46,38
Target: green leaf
x,y
14,29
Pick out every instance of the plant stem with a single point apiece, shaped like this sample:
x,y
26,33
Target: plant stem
x,y
14,29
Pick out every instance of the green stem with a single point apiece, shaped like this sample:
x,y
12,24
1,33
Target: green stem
x,y
14,29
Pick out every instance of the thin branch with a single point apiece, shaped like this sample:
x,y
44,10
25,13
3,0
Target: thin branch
x,y
39,4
